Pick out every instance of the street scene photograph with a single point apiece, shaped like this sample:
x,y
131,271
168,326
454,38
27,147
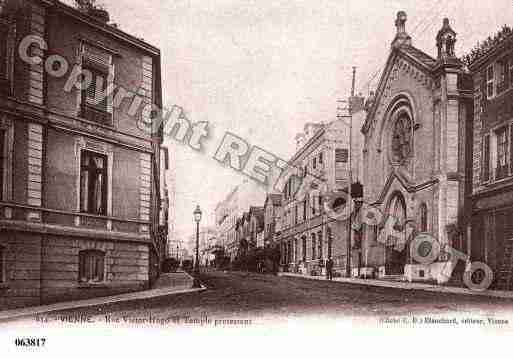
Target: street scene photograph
x,y
206,173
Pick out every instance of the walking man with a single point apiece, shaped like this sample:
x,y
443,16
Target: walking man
x,y
329,269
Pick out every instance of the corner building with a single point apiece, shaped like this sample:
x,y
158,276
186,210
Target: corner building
x,y
80,182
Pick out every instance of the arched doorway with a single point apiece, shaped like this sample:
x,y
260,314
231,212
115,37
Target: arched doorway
x,y
396,259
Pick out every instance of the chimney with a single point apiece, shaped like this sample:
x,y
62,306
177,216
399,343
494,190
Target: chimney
x,y
92,9
401,37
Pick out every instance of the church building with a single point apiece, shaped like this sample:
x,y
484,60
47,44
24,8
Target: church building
x,y
416,155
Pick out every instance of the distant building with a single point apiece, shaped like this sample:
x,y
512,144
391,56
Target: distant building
x,y
232,208
272,206
256,226
81,207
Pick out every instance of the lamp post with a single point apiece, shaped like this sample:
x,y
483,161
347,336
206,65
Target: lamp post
x,y
197,219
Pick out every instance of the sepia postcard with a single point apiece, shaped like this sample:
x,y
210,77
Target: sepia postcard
x,y
242,178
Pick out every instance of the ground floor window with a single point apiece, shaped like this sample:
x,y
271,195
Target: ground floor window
x,y
330,240
91,266
319,240
313,246
304,248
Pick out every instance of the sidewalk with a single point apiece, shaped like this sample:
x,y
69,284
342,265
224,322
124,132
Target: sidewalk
x,y
409,286
167,284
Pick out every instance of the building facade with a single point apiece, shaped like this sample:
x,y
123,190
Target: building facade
x,y
80,181
319,169
272,206
492,222
417,156
231,209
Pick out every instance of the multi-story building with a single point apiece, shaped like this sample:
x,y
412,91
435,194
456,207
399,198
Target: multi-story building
x,y
232,208
417,155
491,65
79,175
272,207
256,224
319,168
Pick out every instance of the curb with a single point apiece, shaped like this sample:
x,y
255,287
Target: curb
x,y
410,286
96,302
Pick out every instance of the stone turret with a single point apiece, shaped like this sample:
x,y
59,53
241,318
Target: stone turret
x,y
401,38
445,41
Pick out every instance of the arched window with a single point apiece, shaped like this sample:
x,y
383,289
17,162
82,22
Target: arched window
x,y
313,246
320,244
330,240
402,139
91,266
423,213
397,209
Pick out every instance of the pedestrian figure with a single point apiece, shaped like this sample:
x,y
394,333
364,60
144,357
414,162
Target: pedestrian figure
x,y
329,269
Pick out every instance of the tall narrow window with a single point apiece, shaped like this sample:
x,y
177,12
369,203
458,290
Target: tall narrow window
x,y
313,246
511,149
2,265
304,248
321,160
489,81
305,206
3,162
93,183
502,167
423,217
4,35
486,158
341,160
320,244
314,162
96,104
330,240
91,266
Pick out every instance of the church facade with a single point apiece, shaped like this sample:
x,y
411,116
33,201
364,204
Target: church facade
x,y
416,156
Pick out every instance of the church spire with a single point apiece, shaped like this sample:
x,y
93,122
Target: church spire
x,y
401,37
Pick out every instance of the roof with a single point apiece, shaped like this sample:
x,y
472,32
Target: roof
x,y
418,55
489,48
105,27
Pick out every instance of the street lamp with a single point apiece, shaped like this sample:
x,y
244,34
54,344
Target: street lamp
x,y
197,219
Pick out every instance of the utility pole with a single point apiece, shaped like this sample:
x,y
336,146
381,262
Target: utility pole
x,y
350,222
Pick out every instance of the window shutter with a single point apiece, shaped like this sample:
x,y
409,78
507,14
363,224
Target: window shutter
x,y
484,93
341,155
486,159
506,73
511,149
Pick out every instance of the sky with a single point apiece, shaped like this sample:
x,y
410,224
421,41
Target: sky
x,y
262,69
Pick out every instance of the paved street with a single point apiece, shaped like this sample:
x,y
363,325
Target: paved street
x,y
253,296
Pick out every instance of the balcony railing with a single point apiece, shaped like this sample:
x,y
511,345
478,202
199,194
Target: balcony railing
x,y
97,115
